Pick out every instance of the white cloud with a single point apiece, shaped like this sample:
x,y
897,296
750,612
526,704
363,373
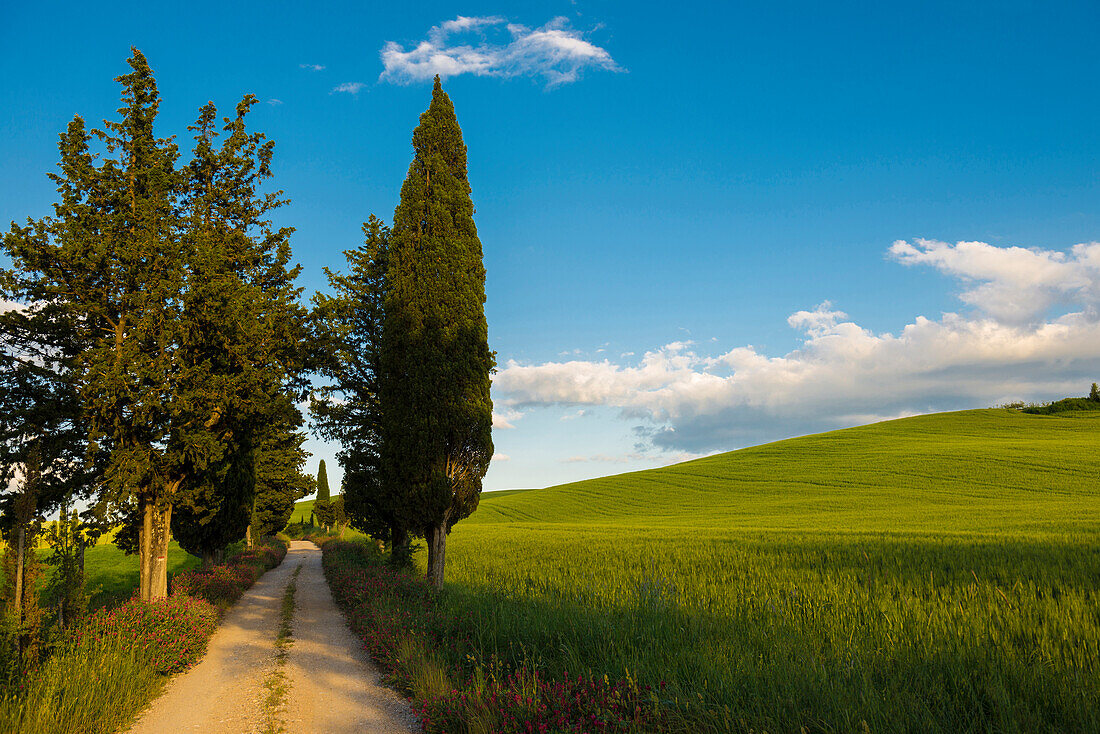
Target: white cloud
x,y
501,457
274,102
6,306
312,67
817,321
490,46
844,374
348,87
1012,284
504,420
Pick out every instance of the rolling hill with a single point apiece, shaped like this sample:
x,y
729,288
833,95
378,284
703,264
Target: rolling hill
x,y
970,471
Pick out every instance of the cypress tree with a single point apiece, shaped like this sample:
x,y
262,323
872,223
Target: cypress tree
x,y
435,362
279,478
239,302
180,300
322,483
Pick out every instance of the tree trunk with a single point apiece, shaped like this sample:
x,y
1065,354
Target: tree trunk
x,y
145,549
162,534
155,534
208,559
437,553
248,537
19,590
399,547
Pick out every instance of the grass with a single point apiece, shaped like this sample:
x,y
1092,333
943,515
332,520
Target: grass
x,y
107,668
303,509
111,575
935,573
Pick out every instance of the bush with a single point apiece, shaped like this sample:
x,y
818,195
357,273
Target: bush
x,y
1066,405
223,585
172,632
110,666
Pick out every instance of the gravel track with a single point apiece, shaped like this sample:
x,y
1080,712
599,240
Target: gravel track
x,y
333,685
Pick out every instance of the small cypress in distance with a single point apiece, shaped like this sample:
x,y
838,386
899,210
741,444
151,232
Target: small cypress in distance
x,y
322,482
1094,393
434,361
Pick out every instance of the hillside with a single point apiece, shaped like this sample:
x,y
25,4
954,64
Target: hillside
x,y
969,471
935,573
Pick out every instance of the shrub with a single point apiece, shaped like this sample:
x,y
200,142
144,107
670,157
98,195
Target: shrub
x,y
223,585
172,632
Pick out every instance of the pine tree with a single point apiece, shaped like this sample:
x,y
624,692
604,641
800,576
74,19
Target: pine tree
x,y
240,303
435,361
279,478
347,408
1094,393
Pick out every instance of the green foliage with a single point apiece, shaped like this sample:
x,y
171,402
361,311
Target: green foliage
x,y
339,513
208,516
324,513
109,668
65,591
1065,405
322,482
346,409
24,621
1094,393
168,296
936,573
223,584
434,361
246,332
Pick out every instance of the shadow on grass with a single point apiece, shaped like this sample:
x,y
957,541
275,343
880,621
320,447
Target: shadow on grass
x,y
826,634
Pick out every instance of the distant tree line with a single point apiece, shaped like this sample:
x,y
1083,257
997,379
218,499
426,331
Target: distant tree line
x,y
1065,405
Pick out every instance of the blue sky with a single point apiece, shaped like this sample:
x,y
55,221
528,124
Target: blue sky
x,y
705,225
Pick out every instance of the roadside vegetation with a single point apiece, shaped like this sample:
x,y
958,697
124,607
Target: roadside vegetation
x,y
434,657
102,670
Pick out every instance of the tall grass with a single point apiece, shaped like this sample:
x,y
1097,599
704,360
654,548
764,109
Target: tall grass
x,y
98,671
106,670
934,574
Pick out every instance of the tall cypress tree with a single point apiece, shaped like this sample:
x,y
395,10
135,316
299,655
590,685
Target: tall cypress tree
x,y
435,362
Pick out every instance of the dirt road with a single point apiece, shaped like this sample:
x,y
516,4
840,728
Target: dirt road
x,y
333,687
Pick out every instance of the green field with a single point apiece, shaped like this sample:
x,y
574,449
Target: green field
x,y
936,573
112,575
303,509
